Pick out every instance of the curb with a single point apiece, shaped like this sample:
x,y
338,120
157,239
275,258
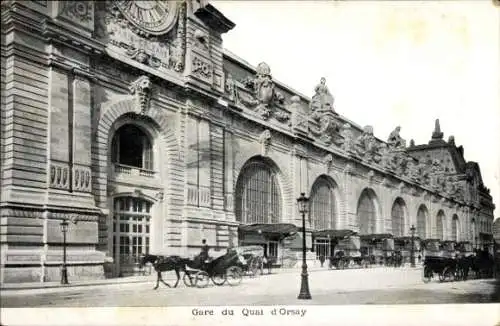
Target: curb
x,y
61,286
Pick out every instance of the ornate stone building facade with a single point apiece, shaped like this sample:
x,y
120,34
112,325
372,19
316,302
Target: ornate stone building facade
x,y
130,120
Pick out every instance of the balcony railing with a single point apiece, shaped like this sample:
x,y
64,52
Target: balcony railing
x,y
121,169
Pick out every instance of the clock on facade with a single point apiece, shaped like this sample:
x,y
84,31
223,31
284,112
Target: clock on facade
x,y
153,17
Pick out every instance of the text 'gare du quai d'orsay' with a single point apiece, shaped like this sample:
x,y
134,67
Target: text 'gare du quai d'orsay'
x,y
129,119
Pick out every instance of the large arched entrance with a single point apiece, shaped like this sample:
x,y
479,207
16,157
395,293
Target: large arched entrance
x,y
258,200
440,223
422,215
323,213
367,212
133,182
398,214
455,229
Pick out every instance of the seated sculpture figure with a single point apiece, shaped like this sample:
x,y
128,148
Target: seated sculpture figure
x,y
322,100
395,140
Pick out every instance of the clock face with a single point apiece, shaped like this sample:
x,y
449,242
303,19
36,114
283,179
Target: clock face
x,y
153,17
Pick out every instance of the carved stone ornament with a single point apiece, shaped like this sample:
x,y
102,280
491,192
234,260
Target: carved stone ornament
x,y
366,145
141,88
386,158
395,141
265,98
349,168
230,87
347,141
202,68
328,161
323,113
201,39
265,141
159,196
299,116
371,176
143,31
78,10
322,100
149,17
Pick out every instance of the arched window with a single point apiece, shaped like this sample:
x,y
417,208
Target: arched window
x,y
131,227
323,208
367,215
454,228
132,147
422,222
258,197
398,217
440,218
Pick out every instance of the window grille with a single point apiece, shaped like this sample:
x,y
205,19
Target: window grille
x,y
366,214
398,218
258,197
454,229
421,223
439,226
323,210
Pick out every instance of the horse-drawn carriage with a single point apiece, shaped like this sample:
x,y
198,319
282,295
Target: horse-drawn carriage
x,y
377,248
446,268
224,269
345,251
254,259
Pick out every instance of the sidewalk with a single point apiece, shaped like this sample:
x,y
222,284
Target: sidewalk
x,y
152,278
48,285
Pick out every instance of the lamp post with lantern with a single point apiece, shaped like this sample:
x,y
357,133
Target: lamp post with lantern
x,y
412,254
64,271
302,203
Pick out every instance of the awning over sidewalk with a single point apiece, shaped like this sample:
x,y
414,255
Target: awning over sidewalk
x,y
376,236
277,229
333,234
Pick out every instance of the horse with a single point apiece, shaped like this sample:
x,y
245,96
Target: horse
x,y
164,264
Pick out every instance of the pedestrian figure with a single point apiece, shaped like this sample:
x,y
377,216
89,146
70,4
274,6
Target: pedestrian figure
x,y
322,259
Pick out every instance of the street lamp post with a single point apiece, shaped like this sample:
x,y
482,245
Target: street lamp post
x,y
412,254
64,271
302,202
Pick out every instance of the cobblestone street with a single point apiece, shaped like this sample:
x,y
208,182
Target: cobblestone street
x,y
328,287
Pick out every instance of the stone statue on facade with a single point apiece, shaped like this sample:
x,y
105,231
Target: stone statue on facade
x,y
325,126
386,157
366,144
230,87
347,138
395,141
322,100
264,93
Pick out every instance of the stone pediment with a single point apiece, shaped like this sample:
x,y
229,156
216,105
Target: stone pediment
x,y
144,34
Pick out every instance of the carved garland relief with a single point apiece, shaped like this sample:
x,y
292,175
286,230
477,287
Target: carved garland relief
x,y
144,31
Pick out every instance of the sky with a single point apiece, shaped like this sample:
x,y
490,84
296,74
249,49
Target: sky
x,y
388,64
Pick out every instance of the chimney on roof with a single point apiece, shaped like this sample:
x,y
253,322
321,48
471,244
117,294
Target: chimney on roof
x,y
437,135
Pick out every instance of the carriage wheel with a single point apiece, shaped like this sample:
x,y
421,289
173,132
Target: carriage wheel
x,y
219,279
233,275
444,274
189,280
427,275
201,279
448,274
